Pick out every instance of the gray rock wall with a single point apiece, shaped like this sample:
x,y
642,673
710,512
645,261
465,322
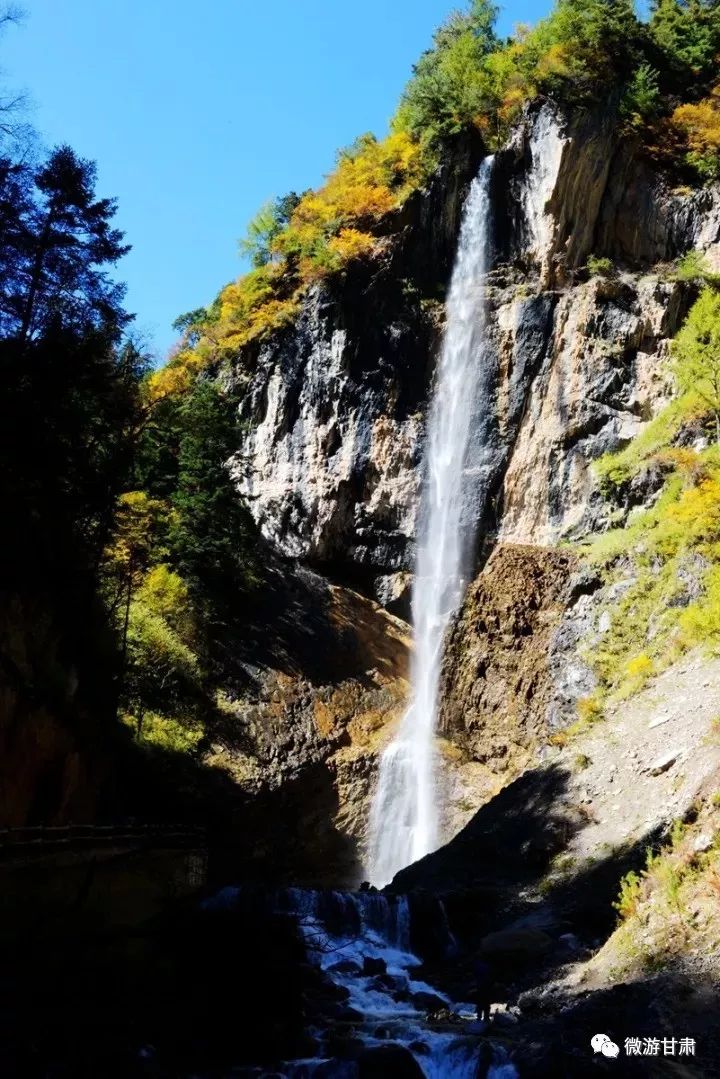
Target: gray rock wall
x,y
333,407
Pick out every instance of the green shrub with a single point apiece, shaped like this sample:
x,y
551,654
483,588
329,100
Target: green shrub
x,y
615,469
600,267
166,733
693,267
701,620
696,353
641,99
628,900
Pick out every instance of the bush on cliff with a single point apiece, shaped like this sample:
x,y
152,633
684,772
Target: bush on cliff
x,y
666,558
696,352
699,128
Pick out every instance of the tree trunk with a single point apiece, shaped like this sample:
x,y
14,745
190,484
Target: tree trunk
x,y
126,619
36,276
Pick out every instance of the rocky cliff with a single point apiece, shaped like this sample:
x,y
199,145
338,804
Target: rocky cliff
x,y
333,410
334,406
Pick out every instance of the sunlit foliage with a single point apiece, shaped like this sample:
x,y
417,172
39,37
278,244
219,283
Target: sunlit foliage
x,y
699,125
649,76
697,353
665,559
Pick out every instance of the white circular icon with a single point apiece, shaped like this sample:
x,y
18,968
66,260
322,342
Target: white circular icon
x,y
602,1044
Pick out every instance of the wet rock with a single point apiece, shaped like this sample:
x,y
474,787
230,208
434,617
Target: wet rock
x,y
372,966
419,1047
570,943
444,1015
339,1044
395,983
427,1002
342,1013
388,1062
345,966
504,1019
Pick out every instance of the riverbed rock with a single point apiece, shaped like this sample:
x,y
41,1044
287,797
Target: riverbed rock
x,y
372,966
427,1002
388,1062
345,966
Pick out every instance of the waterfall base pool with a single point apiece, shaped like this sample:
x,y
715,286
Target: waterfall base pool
x,y
361,943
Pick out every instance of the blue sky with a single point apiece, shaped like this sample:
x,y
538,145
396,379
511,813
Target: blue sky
x,y
198,113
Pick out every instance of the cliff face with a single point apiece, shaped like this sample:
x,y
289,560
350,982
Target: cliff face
x,y
334,406
334,417
497,682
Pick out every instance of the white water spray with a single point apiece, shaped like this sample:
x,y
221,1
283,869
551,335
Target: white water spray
x,y
404,815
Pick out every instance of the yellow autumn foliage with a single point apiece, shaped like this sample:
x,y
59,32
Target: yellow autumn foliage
x,y
328,228
138,522
370,180
176,377
699,124
697,513
351,244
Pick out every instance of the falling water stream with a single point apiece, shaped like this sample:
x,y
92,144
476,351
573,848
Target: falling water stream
x,y
404,816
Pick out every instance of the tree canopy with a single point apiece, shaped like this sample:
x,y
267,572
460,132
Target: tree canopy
x,y
57,242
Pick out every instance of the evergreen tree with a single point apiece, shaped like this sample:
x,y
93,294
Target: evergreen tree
x,y
211,536
57,243
688,32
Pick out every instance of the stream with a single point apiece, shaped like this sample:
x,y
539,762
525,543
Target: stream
x,y
361,943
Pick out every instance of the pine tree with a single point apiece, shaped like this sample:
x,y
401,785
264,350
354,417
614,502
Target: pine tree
x,y
57,242
210,539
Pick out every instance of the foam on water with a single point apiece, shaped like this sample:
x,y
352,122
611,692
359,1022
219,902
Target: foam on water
x,y
369,925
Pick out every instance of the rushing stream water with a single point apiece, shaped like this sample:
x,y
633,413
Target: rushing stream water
x,y
362,943
404,816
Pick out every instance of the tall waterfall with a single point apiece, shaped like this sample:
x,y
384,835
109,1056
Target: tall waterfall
x,y
404,815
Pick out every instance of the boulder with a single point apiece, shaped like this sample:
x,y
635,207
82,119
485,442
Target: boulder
x,y
388,1062
393,983
344,966
515,945
372,966
427,1002
342,1013
663,764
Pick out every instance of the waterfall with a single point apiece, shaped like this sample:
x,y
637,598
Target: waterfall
x,y
404,815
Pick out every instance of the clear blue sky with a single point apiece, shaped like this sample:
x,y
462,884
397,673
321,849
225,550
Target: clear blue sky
x,y
196,113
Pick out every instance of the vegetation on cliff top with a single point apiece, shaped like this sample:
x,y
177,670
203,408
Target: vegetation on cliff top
x,y
659,78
